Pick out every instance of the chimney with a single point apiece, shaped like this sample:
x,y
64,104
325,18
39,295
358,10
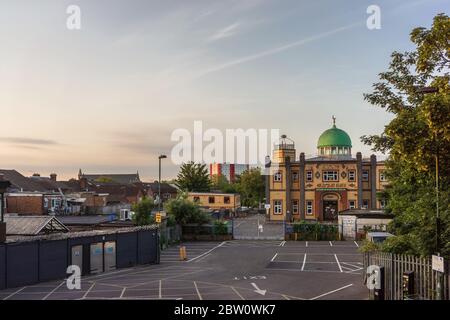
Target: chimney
x,y
53,177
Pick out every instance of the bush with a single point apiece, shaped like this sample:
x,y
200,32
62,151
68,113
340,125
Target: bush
x,y
315,231
185,211
143,212
220,227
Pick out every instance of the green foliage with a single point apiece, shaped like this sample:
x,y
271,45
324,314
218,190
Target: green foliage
x,y
369,246
220,227
315,231
251,187
104,180
418,134
185,211
193,177
143,212
221,183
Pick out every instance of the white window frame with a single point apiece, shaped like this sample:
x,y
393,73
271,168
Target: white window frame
x,y
295,176
383,176
309,176
277,206
350,205
295,207
352,175
383,203
333,173
365,175
365,206
309,207
278,177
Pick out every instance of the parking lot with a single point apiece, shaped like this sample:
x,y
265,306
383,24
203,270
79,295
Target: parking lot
x,y
231,270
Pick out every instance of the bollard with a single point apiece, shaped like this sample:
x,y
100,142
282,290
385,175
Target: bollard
x,y
181,253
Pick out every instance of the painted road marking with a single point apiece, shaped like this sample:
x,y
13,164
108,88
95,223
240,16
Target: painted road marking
x,y
15,292
209,251
337,260
306,243
274,257
304,262
356,243
331,244
333,291
198,292
235,291
45,298
282,243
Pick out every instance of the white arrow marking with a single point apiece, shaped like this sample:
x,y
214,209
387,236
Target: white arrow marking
x,y
258,290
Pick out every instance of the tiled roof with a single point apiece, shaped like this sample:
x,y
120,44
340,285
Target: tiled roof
x,y
33,225
165,187
20,182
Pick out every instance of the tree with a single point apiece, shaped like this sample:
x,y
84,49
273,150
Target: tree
x,y
143,212
185,211
220,182
250,185
418,134
193,177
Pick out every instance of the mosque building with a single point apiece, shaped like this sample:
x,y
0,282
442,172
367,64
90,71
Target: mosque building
x,y
320,187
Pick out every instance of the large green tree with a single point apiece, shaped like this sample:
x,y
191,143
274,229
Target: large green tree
x,y
417,136
143,212
250,185
193,177
221,183
185,211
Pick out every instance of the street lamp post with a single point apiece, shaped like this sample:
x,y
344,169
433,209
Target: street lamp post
x,y
159,181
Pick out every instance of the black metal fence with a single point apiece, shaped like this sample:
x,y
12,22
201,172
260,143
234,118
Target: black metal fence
x,y
312,231
428,284
39,259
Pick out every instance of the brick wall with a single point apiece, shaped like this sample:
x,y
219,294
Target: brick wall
x,y
25,205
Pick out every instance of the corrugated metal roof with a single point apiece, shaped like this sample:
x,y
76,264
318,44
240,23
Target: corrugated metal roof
x,y
33,225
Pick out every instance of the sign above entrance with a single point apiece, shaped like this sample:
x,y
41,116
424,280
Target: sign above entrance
x,y
331,189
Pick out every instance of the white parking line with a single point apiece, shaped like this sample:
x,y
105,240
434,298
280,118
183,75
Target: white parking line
x,y
331,244
337,260
198,292
356,243
240,296
160,289
282,243
15,292
48,295
203,254
330,292
306,243
304,261
273,258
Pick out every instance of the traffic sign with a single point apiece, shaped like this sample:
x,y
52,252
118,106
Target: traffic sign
x,y
437,263
158,217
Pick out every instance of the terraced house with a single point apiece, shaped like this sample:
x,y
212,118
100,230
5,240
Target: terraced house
x,y
319,187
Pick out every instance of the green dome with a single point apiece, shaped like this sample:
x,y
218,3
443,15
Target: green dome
x,y
334,137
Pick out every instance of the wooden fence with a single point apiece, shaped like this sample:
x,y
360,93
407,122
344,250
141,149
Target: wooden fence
x,y
425,279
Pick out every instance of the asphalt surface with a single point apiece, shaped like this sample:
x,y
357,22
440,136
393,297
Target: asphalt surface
x,y
231,270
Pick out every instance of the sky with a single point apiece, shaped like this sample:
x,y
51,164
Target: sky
x,y
106,98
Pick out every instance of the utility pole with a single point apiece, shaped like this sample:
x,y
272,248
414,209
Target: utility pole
x,y
159,182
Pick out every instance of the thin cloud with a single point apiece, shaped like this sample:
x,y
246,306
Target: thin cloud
x,y
225,32
28,141
276,50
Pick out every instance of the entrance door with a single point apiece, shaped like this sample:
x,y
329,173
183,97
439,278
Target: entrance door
x,y
110,255
330,210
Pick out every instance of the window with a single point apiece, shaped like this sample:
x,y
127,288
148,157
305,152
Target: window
x,y
226,200
277,207
55,203
294,175
351,175
211,200
309,175
352,204
383,203
294,206
196,199
330,176
382,176
277,177
309,207
365,175
365,204
45,203
166,195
